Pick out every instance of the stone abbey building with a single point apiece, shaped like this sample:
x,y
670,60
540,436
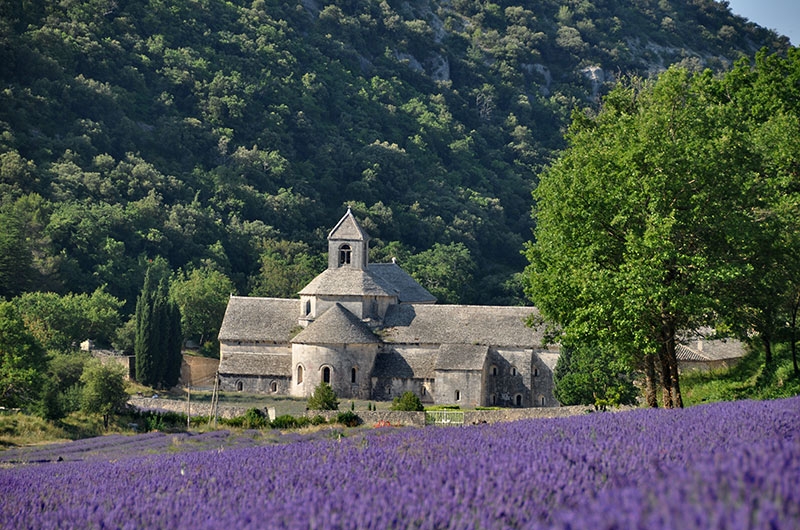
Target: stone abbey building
x,y
372,332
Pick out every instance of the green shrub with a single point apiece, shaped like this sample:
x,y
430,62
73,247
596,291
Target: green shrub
x,y
323,398
302,421
318,420
348,419
407,402
255,419
287,421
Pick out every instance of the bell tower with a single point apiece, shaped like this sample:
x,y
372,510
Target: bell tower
x,y
348,244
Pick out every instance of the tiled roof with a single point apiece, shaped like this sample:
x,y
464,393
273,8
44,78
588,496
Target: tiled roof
x,y
263,364
401,283
348,228
408,365
346,281
461,357
454,324
710,350
337,325
263,319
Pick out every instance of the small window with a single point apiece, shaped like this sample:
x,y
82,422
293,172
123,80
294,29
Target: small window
x,y
541,401
299,374
494,370
518,400
494,399
423,391
353,374
308,307
535,372
513,371
273,387
239,386
458,395
326,375
345,254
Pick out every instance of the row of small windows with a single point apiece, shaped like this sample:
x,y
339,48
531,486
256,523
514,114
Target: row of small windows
x,y
326,374
496,371
273,386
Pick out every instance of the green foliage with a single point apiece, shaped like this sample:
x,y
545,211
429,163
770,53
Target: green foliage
x,y
407,402
22,360
285,421
62,322
589,375
349,418
158,339
201,296
103,389
323,398
62,390
255,419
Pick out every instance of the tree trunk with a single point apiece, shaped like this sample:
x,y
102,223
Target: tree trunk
x,y
672,360
793,336
767,349
666,377
650,381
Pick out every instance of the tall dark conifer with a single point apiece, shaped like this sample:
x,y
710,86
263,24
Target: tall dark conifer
x,y
158,331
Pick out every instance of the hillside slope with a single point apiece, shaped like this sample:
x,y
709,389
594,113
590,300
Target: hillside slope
x,y
207,131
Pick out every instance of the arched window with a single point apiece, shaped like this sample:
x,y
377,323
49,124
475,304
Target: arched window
x,y
326,375
299,374
273,387
518,400
308,307
239,386
541,401
513,371
494,370
345,254
353,374
458,395
535,372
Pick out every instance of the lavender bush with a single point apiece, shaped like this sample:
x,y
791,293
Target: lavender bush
x,y
731,465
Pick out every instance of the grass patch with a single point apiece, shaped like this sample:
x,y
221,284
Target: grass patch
x,y
21,429
749,379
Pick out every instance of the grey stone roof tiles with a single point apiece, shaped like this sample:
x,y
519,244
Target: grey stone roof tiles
x,y
337,325
711,350
400,282
346,281
467,357
348,228
408,365
451,324
263,364
261,319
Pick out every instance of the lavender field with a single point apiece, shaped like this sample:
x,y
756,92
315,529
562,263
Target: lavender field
x,y
730,465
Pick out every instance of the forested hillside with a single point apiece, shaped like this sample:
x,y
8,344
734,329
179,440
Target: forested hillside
x,y
230,136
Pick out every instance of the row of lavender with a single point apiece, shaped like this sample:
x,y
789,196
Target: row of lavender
x,y
732,465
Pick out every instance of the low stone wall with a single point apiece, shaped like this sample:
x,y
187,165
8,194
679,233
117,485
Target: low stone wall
x,y
374,417
196,409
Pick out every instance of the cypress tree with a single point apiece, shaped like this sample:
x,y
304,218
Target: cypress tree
x,y
157,346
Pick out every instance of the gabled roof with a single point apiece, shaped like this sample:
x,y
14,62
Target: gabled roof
x,y
452,324
348,228
400,282
264,364
262,319
337,325
461,357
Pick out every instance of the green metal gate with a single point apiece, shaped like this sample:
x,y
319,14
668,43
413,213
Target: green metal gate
x,y
444,417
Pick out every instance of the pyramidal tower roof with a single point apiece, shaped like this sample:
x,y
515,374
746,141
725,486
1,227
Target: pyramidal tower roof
x,y
348,228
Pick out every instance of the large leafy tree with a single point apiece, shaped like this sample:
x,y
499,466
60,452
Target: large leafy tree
x,y
104,389
202,296
22,360
641,222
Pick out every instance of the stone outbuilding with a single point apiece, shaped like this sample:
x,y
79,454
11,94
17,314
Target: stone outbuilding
x,y
372,332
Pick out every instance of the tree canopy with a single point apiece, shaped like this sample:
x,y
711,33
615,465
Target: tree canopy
x,y
652,222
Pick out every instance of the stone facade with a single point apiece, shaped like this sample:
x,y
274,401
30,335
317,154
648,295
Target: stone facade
x,y
373,333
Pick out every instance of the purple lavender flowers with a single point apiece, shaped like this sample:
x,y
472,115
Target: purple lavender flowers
x,y
729,465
